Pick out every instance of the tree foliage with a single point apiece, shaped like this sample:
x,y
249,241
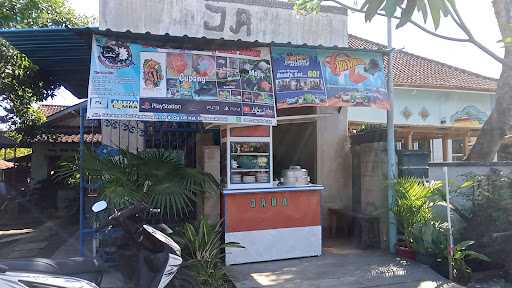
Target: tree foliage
x,y
499,124
22,85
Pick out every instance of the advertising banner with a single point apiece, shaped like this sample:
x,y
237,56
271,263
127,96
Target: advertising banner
x,y
134,82
326,77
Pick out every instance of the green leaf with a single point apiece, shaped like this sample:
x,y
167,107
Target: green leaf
x,y
422,7
390,7
371,8
476,255
407,13
445,9
435,12
464,244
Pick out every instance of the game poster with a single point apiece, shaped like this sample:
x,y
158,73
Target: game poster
x,y
134,82
328,77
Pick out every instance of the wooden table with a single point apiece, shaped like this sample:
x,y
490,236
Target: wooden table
x,y
366,228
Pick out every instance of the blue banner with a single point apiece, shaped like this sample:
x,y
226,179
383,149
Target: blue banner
x,y
134,82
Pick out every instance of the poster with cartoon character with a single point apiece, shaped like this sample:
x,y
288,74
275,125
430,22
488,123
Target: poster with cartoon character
x,y
328,77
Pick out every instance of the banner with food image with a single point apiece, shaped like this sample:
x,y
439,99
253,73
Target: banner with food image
x,y
232,86
328,77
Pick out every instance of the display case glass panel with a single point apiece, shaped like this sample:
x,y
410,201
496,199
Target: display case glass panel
x,y
250,162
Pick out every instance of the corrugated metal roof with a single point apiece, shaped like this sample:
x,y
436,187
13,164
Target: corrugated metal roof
x,y
61,53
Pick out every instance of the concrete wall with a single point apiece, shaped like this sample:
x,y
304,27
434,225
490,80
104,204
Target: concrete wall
x,y
333,159
371,177
208,160
41,152
249,20
456,176
373,162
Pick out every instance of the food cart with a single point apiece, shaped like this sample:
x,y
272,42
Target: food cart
x,y
271,220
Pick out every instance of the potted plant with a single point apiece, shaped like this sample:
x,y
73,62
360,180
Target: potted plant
x,y
429,242
413,208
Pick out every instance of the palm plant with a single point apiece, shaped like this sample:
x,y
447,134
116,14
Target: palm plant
x,y
203,245
413,205
157,177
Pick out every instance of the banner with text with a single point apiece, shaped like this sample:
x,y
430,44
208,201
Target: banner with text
x,y
134,82
326,77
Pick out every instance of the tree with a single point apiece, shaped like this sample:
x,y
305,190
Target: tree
x,y
22,85
499,123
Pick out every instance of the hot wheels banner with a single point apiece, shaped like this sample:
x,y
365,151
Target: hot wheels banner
x,y
134,82
325,77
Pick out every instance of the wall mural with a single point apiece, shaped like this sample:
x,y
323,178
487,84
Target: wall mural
x,y
469,113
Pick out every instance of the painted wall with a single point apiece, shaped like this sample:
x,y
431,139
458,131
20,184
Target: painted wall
x,y
261,20
436,105
41,152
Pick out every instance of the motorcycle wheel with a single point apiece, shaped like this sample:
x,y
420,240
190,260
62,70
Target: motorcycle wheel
x,y
182,279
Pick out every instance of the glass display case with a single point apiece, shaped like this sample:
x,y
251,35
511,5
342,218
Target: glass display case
x,y
249,162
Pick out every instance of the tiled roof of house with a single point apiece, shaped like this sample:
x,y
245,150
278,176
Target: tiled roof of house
x,y
415,71
49,110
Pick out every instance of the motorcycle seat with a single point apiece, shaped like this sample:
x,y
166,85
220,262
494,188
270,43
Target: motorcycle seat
x,y
84,268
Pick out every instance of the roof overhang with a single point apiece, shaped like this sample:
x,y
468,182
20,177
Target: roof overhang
x,y
61,53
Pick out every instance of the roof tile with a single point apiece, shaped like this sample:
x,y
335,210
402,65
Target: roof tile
x,y
49,110
415,71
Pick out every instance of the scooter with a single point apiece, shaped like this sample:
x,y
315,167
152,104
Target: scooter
x,y
158,259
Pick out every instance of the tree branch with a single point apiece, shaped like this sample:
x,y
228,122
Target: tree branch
x,y
459,23
419,26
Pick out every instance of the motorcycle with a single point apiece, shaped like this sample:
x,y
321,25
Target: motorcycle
x,y
157,259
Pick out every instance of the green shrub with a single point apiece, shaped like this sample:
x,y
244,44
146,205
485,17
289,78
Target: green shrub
x,y
413,204
203,248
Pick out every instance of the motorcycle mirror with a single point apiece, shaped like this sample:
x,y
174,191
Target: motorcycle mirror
x,y
99,206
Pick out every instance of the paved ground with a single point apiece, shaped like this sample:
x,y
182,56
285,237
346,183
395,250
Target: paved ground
x,y
41,241
340,266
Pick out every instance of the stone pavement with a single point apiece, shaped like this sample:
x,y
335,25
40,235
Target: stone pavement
x,y
111,278
341,266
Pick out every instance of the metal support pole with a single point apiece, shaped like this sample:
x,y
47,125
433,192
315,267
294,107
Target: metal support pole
x,y
392,166
82,178
448,216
